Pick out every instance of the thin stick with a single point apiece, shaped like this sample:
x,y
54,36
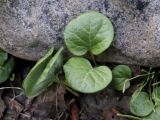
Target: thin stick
x,y
128,116
18,88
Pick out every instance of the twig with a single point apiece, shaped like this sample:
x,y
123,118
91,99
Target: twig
x,y
128,116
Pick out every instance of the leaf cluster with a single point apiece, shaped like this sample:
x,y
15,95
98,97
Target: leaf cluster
x,y
92,33
145,105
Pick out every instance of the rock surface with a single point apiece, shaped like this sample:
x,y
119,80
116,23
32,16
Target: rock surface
x,y
29,27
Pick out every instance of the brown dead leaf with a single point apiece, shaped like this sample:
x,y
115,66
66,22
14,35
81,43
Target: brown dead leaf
x,y
50,104
13,104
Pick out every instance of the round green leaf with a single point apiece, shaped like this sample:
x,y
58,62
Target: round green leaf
x,y
155,115
91,31
82,77
141,105
120,74
43,73
156,95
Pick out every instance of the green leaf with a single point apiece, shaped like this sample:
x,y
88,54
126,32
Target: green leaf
x,y
6,69
121,74
91,31
43,73
82,77
156,95
3,57
141,105
155,115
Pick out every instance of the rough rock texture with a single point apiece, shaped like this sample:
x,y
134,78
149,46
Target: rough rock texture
x,y
29,27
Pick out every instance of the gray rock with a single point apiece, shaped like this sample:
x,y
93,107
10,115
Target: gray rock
x,y
29,27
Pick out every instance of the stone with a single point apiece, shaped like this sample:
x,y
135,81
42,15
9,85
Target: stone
x,y
28,28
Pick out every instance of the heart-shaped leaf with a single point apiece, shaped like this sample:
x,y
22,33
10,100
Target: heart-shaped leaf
x,y
156,95
91,31
141,105
6,69
120,75
43,73
82,77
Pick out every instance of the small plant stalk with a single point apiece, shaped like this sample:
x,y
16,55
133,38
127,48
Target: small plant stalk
x,y
93,58
128,116
63,83
127,80
157,83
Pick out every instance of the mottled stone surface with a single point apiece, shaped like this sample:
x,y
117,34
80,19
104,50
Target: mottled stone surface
x,y
29,27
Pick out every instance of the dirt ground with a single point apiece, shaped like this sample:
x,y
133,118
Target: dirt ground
x,y
57,103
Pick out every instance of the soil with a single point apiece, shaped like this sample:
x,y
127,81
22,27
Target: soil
x,y
57,103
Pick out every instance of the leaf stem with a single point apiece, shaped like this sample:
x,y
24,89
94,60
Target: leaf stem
x,y
128,116
93,58
63,83
127,80
154,84
140,76
72,91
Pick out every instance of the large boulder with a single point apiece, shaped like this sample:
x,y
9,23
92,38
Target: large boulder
x,y
29,27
